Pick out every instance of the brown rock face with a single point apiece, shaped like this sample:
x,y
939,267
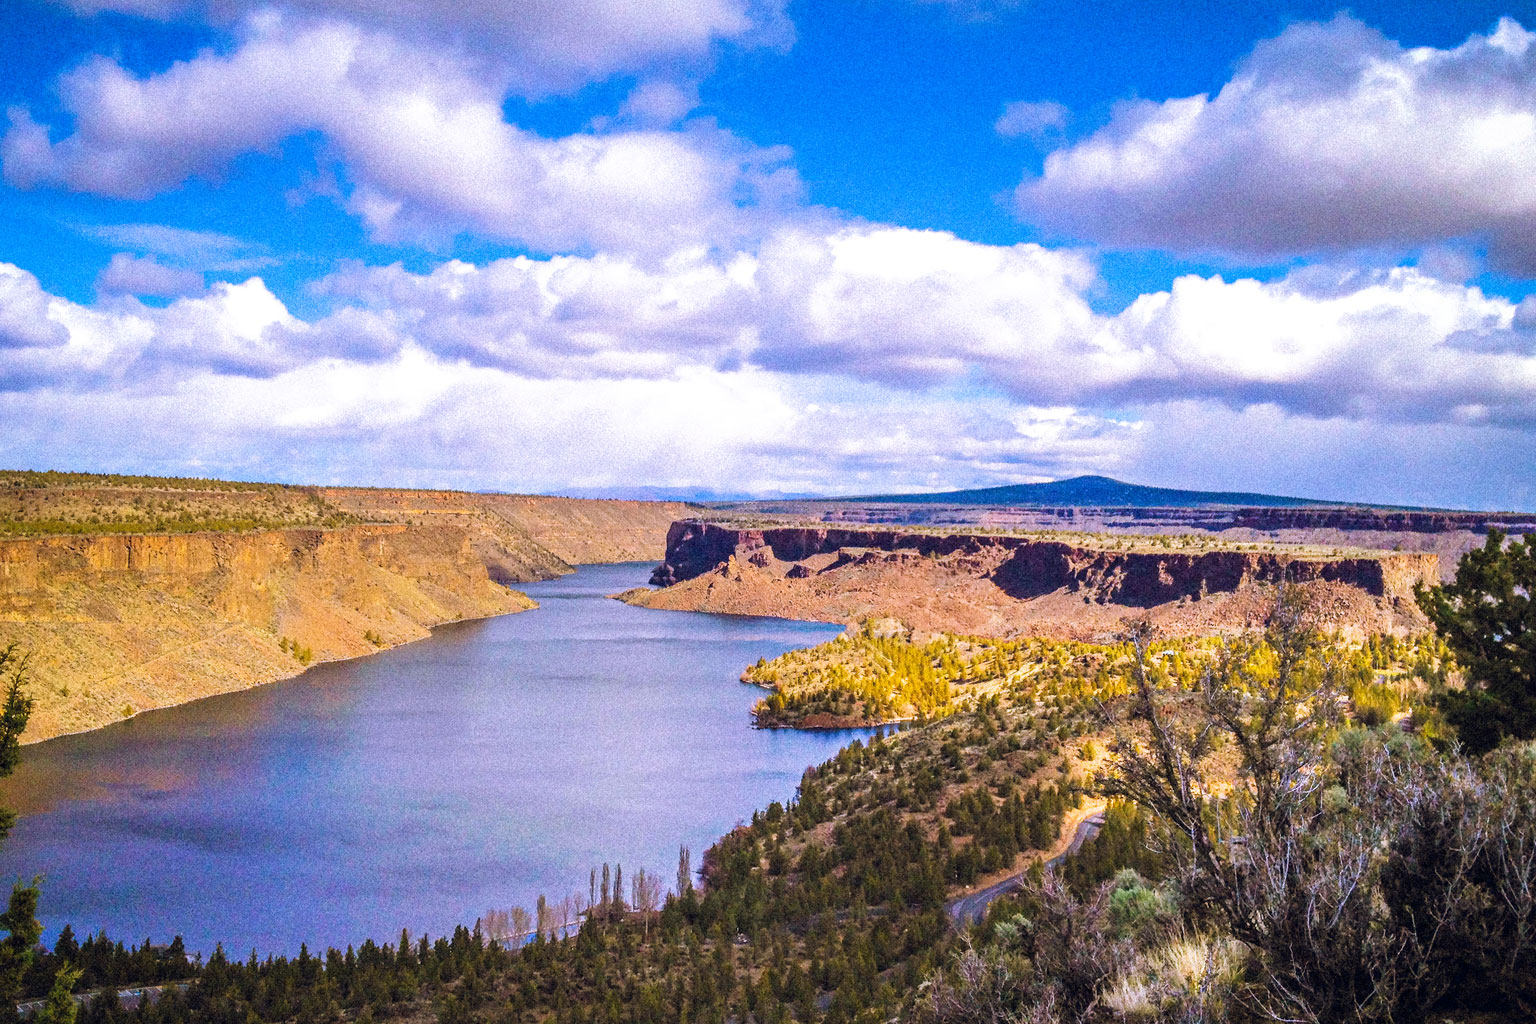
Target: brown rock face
x,y
122,624
576,530
999,584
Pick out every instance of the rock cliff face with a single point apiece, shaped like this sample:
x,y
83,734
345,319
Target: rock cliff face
x,y
1033,568
121,624
1447,534
576,530
999,584
134,593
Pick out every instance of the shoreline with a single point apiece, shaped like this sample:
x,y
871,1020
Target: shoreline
x,y
302,669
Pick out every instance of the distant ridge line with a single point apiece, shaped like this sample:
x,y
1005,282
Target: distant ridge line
x,y
1106,492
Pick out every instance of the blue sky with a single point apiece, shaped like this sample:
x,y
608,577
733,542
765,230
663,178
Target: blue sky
x,y
743,246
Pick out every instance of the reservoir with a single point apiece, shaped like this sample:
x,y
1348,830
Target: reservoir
x,y
416,788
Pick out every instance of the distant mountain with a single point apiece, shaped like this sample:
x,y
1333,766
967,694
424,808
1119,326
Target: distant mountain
x,y
1098,491
693,494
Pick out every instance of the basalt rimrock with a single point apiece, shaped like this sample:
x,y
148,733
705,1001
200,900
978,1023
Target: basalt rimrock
x,y
136,592
120,624
998,584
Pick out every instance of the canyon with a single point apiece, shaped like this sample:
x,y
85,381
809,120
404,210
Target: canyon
x,y
116,623
138,593
999,584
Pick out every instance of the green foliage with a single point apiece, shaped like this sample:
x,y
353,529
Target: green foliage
x,y
14,714
1488,619
60,1007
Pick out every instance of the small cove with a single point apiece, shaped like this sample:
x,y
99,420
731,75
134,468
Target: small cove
x,y
419,787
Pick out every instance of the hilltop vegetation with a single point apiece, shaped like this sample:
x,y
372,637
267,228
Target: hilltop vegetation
x,y
878,673
53,504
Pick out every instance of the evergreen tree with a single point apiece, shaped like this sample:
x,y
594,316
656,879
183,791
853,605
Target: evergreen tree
x,y
20,917
1488,618
61,1006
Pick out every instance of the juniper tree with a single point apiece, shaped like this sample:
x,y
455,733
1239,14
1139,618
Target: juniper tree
x,y
20,917
1488,618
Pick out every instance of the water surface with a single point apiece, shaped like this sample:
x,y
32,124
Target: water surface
x,y
419,787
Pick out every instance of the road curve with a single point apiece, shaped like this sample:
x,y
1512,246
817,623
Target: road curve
x,y
972,907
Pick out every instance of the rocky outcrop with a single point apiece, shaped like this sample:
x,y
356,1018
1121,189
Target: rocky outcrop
x,y
998,584
120,624
1029,568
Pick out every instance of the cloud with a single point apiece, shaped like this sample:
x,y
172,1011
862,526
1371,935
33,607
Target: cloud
x,y
569,317
144,275
1445,465
917,311
422,139
863,357
1380,347
25,322
54,344
659,102
924,307
1031,119
183,248
536,45
1328,137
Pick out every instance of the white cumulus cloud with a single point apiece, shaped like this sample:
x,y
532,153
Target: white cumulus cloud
x,y
539,45
419,134
1328,137
127,274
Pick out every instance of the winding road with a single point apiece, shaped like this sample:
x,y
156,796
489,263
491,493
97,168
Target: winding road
x,y
972,907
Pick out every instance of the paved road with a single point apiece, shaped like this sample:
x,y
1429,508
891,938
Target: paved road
x,y
972,907
130,998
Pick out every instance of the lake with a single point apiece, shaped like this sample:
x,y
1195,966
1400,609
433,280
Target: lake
x,y
419,787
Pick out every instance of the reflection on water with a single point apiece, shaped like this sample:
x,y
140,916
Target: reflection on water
x,y
417,788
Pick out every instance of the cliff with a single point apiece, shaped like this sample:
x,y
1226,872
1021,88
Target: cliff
x,y
139,592
120,624
579,531
996,584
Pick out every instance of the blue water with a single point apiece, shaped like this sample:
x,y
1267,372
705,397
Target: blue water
x,y
419,787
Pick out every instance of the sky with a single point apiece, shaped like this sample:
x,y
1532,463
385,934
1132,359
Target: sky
x,y
764,247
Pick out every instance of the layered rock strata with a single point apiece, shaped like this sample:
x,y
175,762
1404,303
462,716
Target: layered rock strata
x,y
120,624
1001,585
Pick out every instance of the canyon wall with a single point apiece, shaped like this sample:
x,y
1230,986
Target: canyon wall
x,y
138,593
998,584
579,531
120,624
